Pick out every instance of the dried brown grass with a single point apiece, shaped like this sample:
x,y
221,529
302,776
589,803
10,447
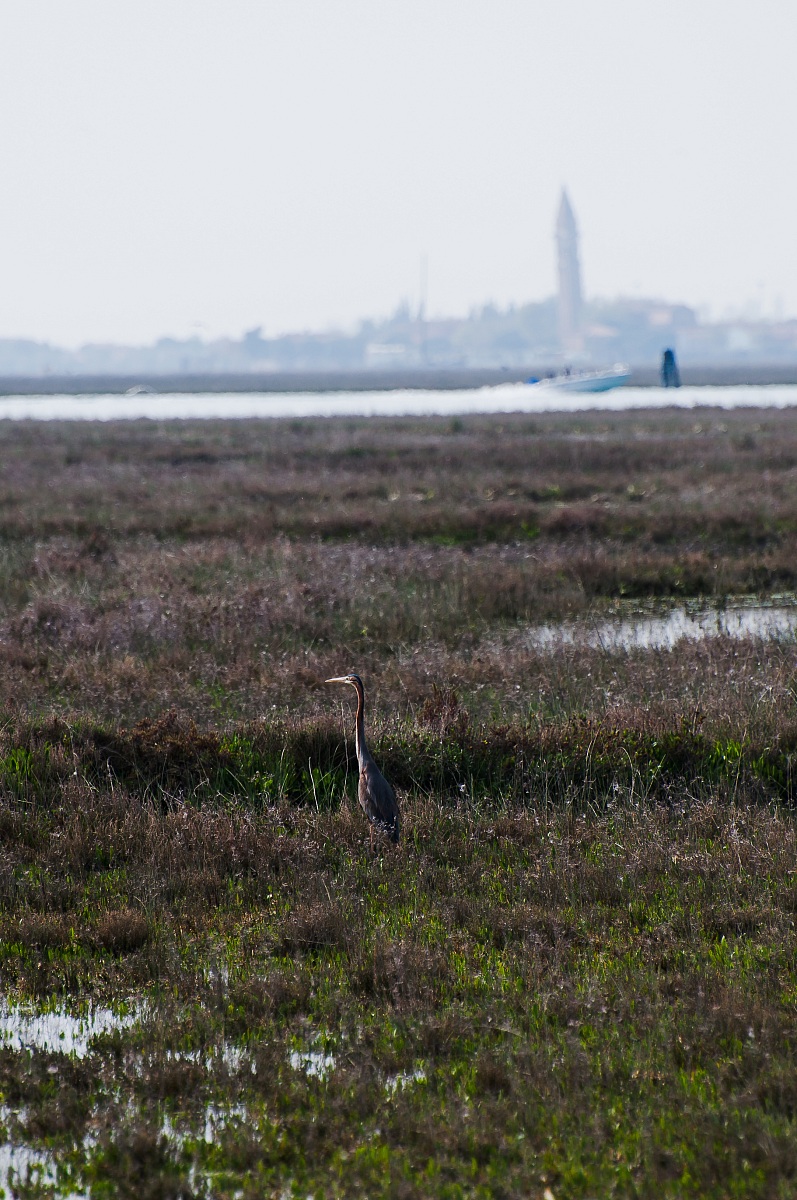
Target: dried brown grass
x,y
224,570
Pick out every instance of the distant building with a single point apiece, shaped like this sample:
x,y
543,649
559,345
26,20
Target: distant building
x,y
571,305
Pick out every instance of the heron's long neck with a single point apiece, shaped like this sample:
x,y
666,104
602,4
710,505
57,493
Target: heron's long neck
x,y
359,727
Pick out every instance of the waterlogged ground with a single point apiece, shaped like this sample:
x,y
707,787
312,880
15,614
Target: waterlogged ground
x,y
514,1000
576,976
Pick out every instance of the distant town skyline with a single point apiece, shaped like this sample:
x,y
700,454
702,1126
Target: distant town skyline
x,y
561,330
199,168
522,337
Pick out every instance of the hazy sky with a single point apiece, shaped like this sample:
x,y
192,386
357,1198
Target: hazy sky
x,y
205,166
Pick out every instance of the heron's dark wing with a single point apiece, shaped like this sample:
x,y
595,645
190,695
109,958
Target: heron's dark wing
x,y
378,801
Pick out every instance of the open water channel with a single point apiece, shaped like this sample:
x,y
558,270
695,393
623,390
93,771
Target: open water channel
x,y
505,398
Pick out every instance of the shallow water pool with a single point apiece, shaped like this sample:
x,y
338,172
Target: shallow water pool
x,y
635,628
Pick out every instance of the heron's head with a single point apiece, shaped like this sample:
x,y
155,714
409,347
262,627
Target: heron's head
x,y
352,679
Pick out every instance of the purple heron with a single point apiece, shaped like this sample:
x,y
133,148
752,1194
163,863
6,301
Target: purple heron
x,y
377,798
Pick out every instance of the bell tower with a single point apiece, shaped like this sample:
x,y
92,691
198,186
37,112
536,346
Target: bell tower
x,y
571,333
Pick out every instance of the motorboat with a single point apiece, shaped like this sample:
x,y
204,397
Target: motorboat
x,y
585,381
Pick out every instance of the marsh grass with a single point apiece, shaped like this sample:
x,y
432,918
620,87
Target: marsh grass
x,y
528,974
577,972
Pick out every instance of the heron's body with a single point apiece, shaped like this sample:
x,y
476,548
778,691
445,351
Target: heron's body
x,y
376,796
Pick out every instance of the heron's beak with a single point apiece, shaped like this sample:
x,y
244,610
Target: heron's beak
x,y
337,679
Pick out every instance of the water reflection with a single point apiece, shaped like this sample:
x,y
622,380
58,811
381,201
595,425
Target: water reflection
x,y
312,1062
58,1032
29,1171
662,629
